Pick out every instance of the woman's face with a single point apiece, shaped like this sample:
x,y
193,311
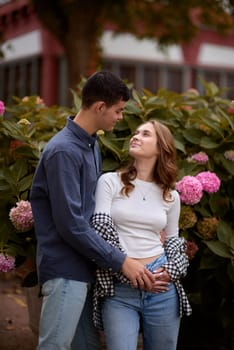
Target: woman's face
x,y
143,142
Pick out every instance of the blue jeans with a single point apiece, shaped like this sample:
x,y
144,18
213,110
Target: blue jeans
x,y
157,313
66,317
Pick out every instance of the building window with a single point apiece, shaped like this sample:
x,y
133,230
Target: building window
x,y
151,78
230,85
127,72
174,79
19,78
212,76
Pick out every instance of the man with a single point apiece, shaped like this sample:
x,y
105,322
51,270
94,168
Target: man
x,y
62,198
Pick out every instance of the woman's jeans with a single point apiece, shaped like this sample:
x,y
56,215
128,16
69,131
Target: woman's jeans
x,y
158,314
66,317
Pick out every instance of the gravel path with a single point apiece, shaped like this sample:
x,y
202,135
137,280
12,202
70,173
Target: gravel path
x,y
15,333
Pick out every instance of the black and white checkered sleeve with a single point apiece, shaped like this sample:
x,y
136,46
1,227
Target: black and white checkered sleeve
x,y
178,262
104,285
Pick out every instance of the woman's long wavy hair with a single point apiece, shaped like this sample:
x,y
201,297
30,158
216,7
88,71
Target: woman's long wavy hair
x,y
165,170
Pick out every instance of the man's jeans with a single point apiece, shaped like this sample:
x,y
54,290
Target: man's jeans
x,y
158,313
66,304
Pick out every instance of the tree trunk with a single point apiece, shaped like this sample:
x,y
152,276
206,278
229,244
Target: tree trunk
x,y
82,53
77,25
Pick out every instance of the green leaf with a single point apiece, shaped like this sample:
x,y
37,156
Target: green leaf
x,y
193,135
10,176
219,248
136,97
226,117
109,164
25,151
132,122
110,145
213,126
210,261
132,108
218,204
206,142
25,183
76,100
4,186
179,145
225,233
20,168
211,88
228,164
230,270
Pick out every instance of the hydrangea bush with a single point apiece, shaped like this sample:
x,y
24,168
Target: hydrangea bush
x,y
202,125
25,127
203,129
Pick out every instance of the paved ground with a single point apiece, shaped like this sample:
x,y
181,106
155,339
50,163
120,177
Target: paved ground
x,y
15,333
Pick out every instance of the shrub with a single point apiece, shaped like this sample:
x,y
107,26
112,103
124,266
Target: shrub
x,y
202,126
25,128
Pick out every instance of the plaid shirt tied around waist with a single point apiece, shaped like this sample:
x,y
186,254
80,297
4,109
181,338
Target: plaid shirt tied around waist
x,y
175,249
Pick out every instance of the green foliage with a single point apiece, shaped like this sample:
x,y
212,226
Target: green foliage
x,y
24,130
199,123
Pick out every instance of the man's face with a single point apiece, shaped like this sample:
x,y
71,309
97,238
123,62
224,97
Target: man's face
x,y
110,115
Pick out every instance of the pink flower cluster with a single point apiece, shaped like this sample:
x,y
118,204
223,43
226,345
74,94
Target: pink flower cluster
x,y
191,249
200,157
229,155
210,181
2,107
190,190
7,263
193,91
21,216
191,187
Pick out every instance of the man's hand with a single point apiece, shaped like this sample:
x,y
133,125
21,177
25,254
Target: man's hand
x,y
137,273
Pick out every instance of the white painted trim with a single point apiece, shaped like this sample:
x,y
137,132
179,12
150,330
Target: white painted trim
x,y
22,46
126,46
216,55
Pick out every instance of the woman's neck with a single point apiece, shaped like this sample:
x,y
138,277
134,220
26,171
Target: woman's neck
x,y
144,171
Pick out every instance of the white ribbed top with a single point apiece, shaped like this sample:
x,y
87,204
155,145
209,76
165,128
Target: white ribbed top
x,y
138,221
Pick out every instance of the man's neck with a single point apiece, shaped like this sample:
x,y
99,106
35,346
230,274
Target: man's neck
x,y
85,121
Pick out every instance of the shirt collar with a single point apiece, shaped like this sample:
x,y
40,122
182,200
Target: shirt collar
x,y
81,133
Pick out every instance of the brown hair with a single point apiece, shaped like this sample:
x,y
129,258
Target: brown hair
x,y
165,170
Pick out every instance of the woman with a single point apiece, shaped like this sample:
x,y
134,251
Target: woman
x,y
133,206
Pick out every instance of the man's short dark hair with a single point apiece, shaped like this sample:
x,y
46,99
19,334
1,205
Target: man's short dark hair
x,y
104,86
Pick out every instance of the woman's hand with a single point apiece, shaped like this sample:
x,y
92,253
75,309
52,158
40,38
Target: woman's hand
x,y
162,281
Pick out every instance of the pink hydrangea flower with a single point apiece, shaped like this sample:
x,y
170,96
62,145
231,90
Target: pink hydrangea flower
x,y
190,190
7,263
193,91
209,181
2,107
230,109
21,216
229,155
191,249
200,157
